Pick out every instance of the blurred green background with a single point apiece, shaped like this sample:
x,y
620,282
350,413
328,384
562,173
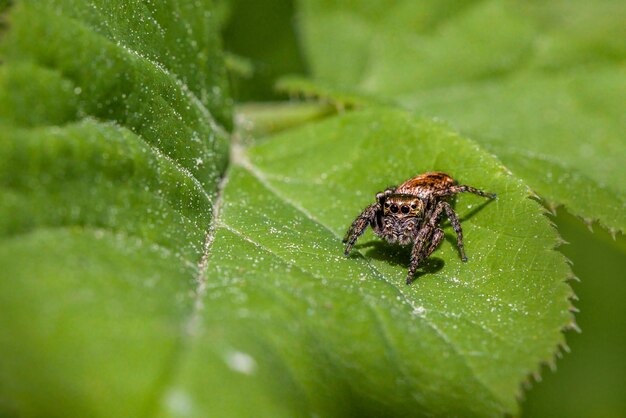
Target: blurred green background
x,y
590,381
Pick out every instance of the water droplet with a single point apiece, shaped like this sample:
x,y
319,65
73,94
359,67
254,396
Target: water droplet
x,y
241,362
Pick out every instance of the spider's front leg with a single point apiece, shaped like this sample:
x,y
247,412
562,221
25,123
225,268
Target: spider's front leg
x,y
370,215
428,239
434,242
426,243
444,206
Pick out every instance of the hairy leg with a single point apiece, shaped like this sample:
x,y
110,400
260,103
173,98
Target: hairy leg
x,y
465,189
359,225
435,241
456,225
418,253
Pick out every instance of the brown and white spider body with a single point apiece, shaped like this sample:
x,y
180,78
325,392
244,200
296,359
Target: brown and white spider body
x,y
411,212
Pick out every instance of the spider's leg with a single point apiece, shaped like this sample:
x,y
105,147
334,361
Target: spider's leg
x,y
420,250
429,233
456,225
358,223
464,188
367,217
434,242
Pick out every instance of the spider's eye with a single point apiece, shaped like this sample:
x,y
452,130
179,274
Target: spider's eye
x,y
387,204
413,206
394,208
405,209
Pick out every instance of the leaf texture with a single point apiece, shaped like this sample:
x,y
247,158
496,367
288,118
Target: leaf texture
x,y
538,84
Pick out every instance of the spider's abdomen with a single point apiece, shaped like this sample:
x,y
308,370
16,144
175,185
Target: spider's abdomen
x,y
399,230
424,184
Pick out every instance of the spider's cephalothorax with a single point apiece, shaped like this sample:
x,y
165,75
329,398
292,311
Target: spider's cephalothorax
x,y
410,213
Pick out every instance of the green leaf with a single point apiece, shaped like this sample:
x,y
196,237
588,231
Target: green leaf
x,y
138,279
541,85
120,75
111,150
317,333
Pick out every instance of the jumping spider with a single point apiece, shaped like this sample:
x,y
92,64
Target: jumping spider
x,y
410,213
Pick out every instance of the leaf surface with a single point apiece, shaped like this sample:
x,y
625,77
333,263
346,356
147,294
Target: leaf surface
x,y
129,288
112,141
538,84
339,336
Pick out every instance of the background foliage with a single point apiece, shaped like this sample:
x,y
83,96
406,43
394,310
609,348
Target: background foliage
x,y
142,277
588,381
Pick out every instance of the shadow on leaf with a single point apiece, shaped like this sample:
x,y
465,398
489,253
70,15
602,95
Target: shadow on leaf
x,y
399,256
